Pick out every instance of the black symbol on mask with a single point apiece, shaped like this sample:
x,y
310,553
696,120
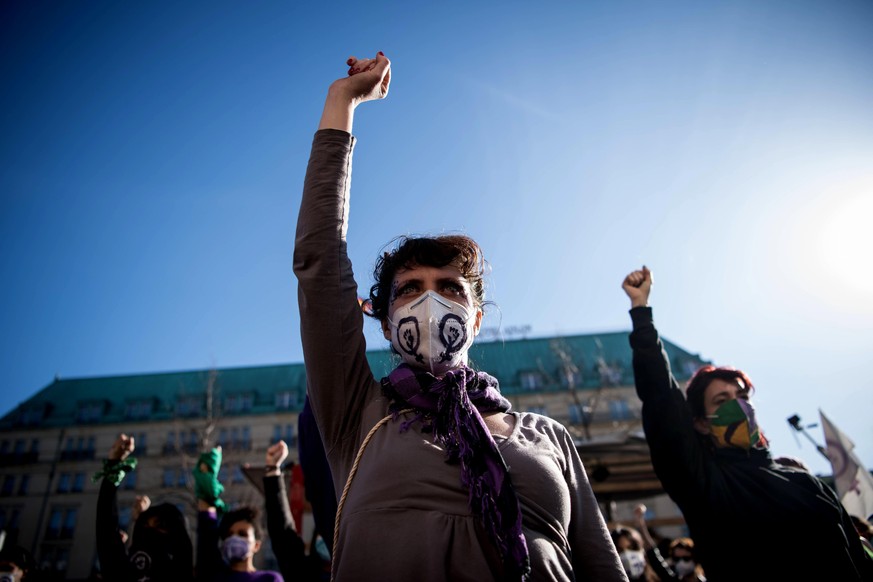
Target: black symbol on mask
x,y
453,335
409,337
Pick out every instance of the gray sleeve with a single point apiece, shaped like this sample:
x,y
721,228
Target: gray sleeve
x,y
339,380
594,554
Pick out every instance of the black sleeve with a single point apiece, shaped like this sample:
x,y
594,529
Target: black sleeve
x,y
318,481
288,546
114,564
678,455
209,562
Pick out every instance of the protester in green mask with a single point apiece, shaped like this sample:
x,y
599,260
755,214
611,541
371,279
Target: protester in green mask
x,y
715,463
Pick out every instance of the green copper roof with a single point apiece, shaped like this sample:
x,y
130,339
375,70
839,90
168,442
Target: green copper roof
x,y
521,365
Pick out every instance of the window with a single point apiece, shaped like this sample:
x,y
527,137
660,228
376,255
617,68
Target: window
x,y
288,400
141,444
283,400
125,515
22,484
69,523
610,374
537,409
55,558
222,475
8,485
189,406
34,449
64,483
32,416
19,447
576,413
222,438
189,441
286,433
169,477
619,410
79,482
129,482
572,377
170,444
4,447
90,411
182,478
138,409
62,523
238,403
10,521
530,380
238,476
246,443
89,451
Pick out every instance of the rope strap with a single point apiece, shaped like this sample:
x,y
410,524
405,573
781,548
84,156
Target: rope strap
x,y
342,501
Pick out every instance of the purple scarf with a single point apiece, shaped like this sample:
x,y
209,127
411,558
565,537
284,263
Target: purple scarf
x,y
453,405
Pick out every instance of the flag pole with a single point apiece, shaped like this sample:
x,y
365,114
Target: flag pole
x,y
794,421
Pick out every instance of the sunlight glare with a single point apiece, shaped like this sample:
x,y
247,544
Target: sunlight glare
x,y
842,247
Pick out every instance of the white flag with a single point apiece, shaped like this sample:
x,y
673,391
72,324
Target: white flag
x,y
852,480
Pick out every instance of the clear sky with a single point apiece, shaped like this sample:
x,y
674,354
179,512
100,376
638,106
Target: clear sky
x,y
152,157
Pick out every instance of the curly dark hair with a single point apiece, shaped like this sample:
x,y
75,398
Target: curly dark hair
x,y
457,250
247,514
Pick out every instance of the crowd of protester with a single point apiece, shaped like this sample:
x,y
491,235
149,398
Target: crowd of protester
x,y
427,474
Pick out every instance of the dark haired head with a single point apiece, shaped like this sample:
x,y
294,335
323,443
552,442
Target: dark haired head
x,y
633,537
17,556
246,514
686,544
164,517
161,531
456,250
700,380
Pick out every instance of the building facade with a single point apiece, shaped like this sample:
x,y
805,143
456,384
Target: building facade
x,y
52,444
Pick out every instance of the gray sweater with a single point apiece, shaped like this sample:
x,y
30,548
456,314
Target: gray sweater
x,y
406,516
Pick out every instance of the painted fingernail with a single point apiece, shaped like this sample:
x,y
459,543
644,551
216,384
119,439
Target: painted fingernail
x,y
381,53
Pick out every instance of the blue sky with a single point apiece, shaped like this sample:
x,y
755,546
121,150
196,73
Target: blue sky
x,y
153,154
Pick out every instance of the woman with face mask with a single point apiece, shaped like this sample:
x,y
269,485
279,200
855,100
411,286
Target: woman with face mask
x,y
438,478
227,541
715,463
629,544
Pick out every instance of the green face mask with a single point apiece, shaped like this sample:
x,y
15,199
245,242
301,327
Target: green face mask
x,y
734,425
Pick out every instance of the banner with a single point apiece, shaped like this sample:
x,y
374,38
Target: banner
x,y
852,480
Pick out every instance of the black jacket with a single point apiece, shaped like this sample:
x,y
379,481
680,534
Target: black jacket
x,y
750,518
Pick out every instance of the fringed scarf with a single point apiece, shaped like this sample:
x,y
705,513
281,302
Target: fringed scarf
x,y
453,406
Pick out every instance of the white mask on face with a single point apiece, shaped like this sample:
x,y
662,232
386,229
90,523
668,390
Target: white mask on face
x,y
683,567
634,562
433,333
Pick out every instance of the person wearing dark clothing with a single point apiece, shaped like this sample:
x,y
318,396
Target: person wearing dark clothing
x,y
160,548
226,541
288,546
715,464
318,481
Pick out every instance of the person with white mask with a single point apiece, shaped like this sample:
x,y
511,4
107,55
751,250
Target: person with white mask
x,y
438,478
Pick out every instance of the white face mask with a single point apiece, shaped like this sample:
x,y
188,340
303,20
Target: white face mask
x,y
634,562
235,549
683,567
433,333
